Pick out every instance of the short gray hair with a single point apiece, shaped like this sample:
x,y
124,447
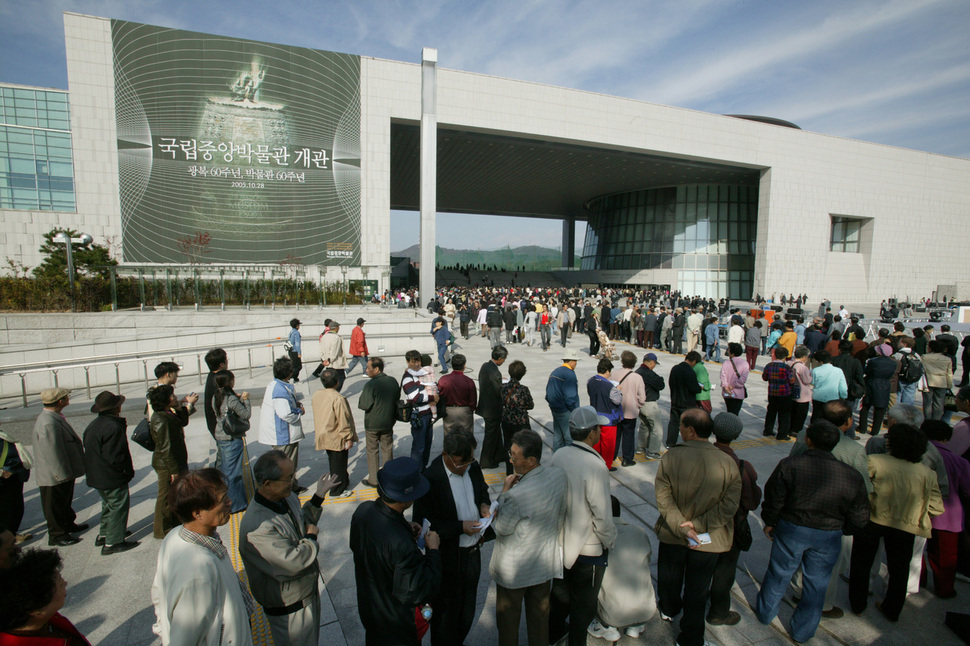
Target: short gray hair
x,y
268,467
906,414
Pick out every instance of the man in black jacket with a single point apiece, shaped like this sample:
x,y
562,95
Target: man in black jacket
x,y
393,576
853,370
683,394
648,439
490,408
454,505
378,400
107,464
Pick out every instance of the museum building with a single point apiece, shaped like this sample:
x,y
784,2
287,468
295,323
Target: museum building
x,y
282,154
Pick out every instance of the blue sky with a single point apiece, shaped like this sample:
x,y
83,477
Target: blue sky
x,y
886,71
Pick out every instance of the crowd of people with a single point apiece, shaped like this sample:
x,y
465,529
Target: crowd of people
x,y
560,546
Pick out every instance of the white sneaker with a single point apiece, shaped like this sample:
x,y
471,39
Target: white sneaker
x,y
664,617
609,633
635,631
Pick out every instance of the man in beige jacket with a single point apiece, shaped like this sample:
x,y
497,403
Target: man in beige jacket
x,y
588,530
332,353
698,492
333,424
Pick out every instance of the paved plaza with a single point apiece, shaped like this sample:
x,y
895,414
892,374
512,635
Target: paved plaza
x,y
108,598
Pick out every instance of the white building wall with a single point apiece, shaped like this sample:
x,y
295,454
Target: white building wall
x,y
919,203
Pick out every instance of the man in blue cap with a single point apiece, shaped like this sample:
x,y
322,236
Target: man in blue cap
x,y
393,576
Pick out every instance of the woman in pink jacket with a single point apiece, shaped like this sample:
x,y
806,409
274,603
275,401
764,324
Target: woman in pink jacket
x,y
734,375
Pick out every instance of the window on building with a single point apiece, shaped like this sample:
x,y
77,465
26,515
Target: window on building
x,y
845,234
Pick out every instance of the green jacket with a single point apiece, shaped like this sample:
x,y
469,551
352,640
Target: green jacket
x,y
704,380
378,400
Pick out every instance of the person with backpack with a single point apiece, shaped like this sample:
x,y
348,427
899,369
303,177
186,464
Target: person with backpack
x,y
910,370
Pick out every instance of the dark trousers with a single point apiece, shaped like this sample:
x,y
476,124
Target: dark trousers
x,y
626,432
338,467
684,582
114,514
899,551
56,503
574,596
454,610
648,339
508,430
164,520
751,354
733,405
297,365
594,344
508,612
492,444
673,426
11,503
722,581
779,407
877,416
799,412
942,551
463,327
422,434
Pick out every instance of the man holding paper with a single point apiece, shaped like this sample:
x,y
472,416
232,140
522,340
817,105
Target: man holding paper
x,y
456,505
698,491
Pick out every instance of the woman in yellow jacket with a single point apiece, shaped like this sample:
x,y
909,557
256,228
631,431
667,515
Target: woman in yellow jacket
x,y
905,495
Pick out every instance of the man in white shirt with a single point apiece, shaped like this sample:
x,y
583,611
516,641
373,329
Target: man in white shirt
x,y
454,506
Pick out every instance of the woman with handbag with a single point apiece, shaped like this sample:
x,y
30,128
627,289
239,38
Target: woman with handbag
x,y
516,404
233,412
170,457
734,376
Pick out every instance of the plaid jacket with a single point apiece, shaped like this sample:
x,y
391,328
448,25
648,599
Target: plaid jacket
x,y
780,378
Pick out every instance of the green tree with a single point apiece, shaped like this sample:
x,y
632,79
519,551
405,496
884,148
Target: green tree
x,y
89,259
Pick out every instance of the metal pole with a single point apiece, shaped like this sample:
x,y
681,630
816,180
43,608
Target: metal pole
x,y
23,387
114,293
141,287
198,359
56,385
87,379
249,351
222,288
195,281
117,377
145,364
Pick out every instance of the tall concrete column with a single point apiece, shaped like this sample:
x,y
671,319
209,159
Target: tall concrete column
x,y
429,171
568,241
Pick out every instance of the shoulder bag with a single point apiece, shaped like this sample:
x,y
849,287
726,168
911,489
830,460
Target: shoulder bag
x,y
142,435
743,387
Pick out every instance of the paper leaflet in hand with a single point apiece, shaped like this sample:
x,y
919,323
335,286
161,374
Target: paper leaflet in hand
x,y
484,523
702,539
425,526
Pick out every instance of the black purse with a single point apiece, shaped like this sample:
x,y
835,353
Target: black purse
x,y
142,435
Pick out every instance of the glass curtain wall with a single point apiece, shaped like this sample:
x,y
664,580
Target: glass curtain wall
x,y
706,232
36,164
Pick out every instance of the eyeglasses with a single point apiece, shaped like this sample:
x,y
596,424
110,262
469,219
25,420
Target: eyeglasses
x,y
465,465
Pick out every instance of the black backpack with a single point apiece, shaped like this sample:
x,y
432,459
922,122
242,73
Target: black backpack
x,y
910,369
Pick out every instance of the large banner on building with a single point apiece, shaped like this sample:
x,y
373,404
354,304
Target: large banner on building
x,y
232,150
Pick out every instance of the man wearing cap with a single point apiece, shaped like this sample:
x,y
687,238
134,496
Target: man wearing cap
x,y
698,491
58,460
295,341
651,429
107,462
358,348
393,576
332,353
727,428
588,530
562,394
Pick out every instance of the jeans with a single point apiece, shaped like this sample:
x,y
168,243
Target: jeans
x,y
560,430
714,349
684,583
907,392
933,403
422,433
442,360
354,360
231,466
817,551
544,336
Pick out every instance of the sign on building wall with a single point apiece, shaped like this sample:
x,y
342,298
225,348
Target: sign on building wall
x,y
232,150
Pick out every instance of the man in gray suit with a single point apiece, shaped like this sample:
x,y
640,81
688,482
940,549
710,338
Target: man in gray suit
x,y
278,546
58,460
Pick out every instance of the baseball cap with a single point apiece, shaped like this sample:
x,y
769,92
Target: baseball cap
x,y
586,417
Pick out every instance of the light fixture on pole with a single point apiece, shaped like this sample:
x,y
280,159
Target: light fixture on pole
x,y
85,239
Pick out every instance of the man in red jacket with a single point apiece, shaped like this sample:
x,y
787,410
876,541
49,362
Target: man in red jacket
x,y
358,348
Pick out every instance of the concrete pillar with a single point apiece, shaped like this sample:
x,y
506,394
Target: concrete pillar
x,y
568,241
429,171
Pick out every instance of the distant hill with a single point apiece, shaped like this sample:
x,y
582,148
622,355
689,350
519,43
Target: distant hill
x,y
530,258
